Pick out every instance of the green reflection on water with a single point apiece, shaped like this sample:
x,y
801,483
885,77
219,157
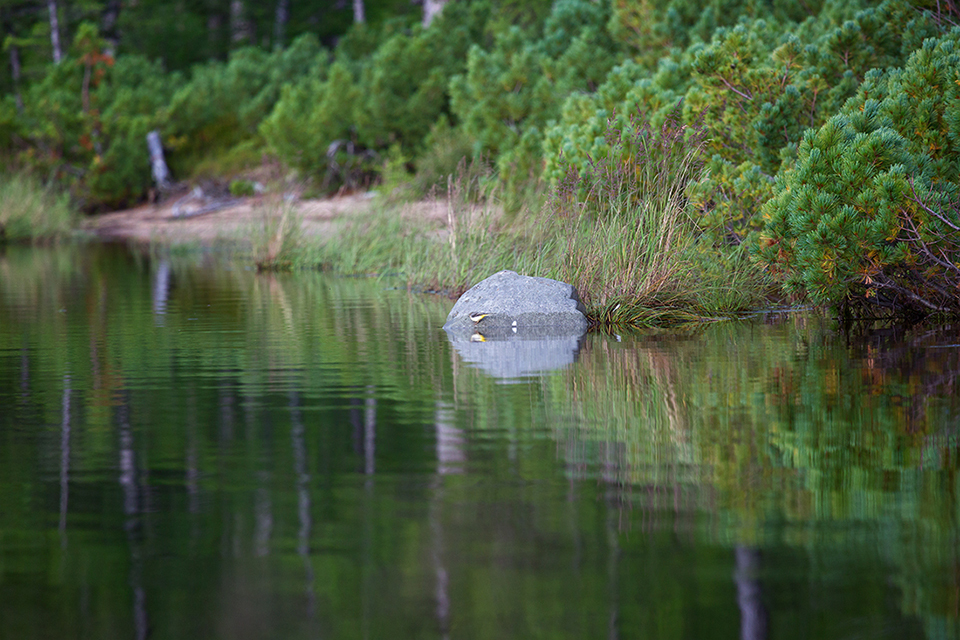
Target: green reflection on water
x,y
192,450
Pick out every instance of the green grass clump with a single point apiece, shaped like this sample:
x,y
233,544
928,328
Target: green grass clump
x,y
635,252
31,212
620,231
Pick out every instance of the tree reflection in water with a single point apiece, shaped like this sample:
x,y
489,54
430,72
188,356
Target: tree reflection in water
x,y
383,487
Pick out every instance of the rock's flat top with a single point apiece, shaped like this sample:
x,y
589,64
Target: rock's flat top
x,y
508,303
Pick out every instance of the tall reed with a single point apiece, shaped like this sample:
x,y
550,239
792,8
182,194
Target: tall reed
x,y
631,230
633,248
277,236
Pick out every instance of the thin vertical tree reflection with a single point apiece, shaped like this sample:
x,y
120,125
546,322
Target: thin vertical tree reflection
x,y
369,469
129,484
303,499
753,615
24,372
161,292
450,460
263,514
191,469
612,495
64,459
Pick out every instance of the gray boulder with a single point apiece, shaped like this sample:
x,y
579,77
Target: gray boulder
x,y
508,304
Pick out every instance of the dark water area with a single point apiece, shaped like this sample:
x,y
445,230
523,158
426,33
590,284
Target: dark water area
x,y
189,449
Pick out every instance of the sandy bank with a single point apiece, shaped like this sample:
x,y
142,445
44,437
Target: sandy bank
x,y
160,223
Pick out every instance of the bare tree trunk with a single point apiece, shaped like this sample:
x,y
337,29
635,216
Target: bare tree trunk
x,y
280,25
161,174
430,10
358,13
15,72
54,31
108,25
240,28
214,23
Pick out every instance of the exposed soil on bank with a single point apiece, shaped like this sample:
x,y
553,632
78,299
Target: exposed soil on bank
x,y
195,220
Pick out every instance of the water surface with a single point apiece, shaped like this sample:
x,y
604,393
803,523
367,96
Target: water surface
x,y
189,449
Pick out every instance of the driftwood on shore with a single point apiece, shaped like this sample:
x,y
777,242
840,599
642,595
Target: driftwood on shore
x,y
197,203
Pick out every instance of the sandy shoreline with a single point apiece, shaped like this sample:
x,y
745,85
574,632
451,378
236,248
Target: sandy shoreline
x,y
158,224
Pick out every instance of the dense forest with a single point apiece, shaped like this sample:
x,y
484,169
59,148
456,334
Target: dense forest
x,y
830,130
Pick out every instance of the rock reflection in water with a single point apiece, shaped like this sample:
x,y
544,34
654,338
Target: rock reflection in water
x,y
517,357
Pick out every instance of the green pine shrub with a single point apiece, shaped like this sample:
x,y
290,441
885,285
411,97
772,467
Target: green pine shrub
x,y
223,104
85,123
528,15
510,93
655,28
755,87
310,116
870,216
581,136
759,89
404,83
499,92
357,44
385,88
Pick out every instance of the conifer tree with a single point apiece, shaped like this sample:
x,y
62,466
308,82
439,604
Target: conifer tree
x,y
509,93
871,213
86,121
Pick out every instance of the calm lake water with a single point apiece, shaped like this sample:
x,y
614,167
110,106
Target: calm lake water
x,y
191,450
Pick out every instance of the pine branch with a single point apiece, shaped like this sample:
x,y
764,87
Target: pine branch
x,y
916,198
949,266
742,94
926,282
910,295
